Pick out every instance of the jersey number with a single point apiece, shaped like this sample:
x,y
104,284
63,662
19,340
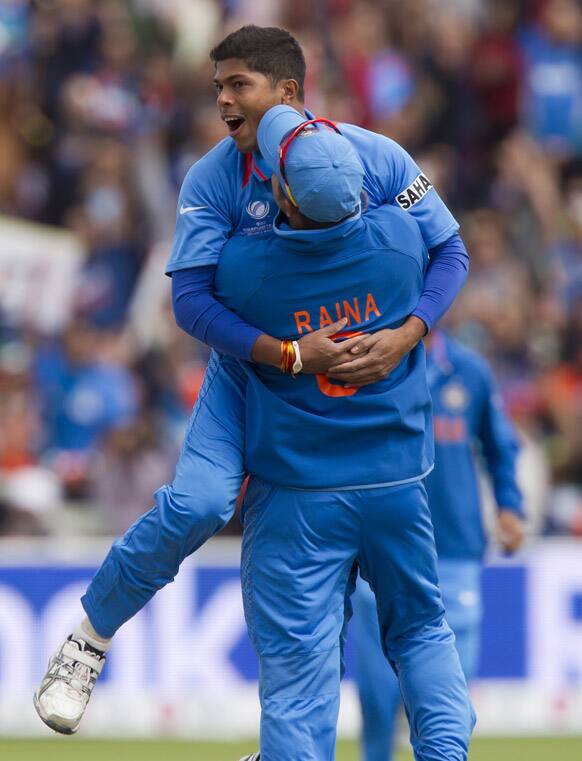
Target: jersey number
x,y
325,385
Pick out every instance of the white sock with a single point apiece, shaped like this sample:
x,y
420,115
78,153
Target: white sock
x,y
86,632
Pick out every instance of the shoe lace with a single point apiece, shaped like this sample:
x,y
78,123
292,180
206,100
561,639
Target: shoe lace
x,y
76,677
79,679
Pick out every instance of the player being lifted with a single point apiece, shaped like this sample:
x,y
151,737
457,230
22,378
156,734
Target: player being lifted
x,y
228,193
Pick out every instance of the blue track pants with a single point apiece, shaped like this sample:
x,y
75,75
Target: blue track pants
x,y
377,685
300,554
198,503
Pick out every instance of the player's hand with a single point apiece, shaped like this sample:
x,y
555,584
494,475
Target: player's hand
x,y
319,351
378,354
510,530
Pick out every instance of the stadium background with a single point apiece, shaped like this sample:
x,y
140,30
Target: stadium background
x,y
103,107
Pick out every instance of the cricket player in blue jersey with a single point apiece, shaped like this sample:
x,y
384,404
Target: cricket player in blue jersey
x,y
467,415
337,471
226,195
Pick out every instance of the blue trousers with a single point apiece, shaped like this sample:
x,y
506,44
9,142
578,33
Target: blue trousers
x,y
198,503
301,551
377,685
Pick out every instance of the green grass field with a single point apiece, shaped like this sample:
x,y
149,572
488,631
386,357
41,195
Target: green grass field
x,y
75,749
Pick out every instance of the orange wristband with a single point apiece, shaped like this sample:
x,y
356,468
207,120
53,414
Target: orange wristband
x,y
287,357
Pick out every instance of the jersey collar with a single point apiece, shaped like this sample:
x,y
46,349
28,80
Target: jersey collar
x,y
255,166
313,242
259,167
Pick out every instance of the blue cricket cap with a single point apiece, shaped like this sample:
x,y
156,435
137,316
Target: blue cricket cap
x,y
322,168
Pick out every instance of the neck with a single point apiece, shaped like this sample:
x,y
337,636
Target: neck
x,y
299,107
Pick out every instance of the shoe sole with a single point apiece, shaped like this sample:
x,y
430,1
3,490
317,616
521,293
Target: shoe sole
x,y
55,727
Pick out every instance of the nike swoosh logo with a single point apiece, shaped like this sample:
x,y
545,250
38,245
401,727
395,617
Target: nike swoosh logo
x,y
186,209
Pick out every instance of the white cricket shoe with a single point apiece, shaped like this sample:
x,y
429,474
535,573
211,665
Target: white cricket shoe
x,y
252,757
64,692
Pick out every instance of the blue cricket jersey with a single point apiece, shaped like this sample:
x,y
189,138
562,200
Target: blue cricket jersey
x,y
468,421
228,193
308,432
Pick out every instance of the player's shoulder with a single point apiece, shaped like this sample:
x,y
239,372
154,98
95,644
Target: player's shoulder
x,y
369,143
218,164
467,360
389,226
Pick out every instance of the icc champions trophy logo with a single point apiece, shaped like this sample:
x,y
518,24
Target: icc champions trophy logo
x,y
258,209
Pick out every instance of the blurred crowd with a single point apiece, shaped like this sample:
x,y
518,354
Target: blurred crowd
x,y
105,105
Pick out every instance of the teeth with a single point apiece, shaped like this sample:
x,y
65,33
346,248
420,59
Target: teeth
x,y
233,118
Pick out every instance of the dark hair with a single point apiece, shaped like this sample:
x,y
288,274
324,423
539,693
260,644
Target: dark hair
x,y
266,49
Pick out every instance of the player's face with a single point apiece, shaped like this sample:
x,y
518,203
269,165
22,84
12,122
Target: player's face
x,y
243,96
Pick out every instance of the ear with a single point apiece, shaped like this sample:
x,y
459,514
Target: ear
x,y
289,91
288,209
281,199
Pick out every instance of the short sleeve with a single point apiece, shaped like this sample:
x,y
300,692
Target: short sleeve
x,y
203,218
392,176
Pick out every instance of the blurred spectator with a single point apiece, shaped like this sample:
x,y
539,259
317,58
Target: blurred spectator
x,y
552,48
497,67
131,468
566,245
28,492
496,303
562,391
107,222
14,31
85,393
456,119
66,38
20,424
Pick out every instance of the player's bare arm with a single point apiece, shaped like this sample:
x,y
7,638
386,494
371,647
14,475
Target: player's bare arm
x,y
319,351
378,354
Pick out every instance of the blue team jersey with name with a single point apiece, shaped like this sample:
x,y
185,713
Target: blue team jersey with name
x,y
309,432
469,422
228,193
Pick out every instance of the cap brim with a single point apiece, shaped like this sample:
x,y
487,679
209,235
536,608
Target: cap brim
x,y
273,127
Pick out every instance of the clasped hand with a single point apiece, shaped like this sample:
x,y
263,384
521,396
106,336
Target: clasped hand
x,y
362,359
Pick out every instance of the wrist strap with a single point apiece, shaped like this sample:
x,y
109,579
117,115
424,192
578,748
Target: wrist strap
x,y
298,364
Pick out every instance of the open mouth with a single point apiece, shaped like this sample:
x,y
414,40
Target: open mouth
x,y
234,123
